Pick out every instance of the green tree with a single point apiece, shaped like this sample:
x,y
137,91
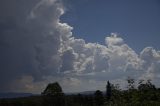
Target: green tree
x,y
147,91
146,86
53,95
131,82
108,90
53,89
99,100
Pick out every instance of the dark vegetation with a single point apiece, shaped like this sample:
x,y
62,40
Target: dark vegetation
x,y
145,94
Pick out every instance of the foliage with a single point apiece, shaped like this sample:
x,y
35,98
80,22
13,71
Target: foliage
x,y
99,98
146,94
53,89
131,82
108,90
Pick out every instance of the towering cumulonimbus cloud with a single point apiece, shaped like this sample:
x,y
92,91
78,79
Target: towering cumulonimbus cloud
x,y
37,48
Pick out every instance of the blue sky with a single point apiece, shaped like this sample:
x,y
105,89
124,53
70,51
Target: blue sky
x,y
136,21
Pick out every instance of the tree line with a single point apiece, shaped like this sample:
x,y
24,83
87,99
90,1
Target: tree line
x,y
145,94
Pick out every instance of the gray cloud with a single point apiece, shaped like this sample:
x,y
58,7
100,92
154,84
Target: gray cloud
x,y
30,44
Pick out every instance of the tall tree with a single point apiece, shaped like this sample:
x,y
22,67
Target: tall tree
x,y
108,90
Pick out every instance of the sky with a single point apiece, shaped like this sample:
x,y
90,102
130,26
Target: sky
x,y
134,20
80,44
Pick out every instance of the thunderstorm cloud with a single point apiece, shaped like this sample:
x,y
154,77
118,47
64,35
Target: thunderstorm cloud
x,y
37,48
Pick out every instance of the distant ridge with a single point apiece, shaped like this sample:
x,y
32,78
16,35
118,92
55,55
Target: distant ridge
x,y
17,95
14,95
84,93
